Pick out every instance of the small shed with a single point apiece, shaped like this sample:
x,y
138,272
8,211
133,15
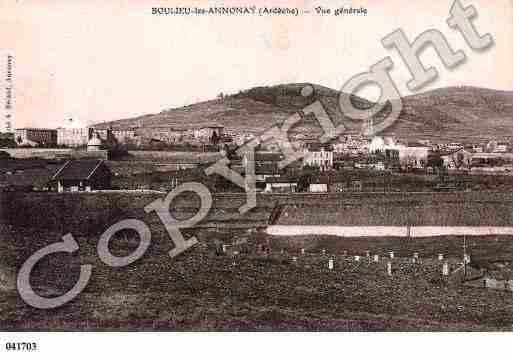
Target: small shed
x,y
82,175
283,184
319,184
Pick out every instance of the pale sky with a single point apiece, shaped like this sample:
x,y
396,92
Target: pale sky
x,y
100,61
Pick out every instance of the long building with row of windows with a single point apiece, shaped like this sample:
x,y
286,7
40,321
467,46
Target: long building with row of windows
x,y
73,137
79,136
70,137
30,136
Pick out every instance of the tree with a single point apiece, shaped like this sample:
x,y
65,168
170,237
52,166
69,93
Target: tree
x,y
4,155
303,183
435,160
214,139
460,159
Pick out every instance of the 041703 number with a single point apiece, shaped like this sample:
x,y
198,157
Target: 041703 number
x,y
20,346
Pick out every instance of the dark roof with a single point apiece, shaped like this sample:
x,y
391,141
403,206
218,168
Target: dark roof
x,y
267,157
211,125
37,129
321,180
418,144
452,152
281,179
263,169
319,146
77,170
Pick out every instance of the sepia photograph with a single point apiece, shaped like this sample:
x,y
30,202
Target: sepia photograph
x,y
269,167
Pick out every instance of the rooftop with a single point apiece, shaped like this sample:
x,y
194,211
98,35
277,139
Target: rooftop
x,y
35,129
319,147
281,179
267,157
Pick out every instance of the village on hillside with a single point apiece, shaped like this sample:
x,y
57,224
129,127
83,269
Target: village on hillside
x,y
163,157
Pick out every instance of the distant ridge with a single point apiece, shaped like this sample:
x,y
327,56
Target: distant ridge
x,y
465,114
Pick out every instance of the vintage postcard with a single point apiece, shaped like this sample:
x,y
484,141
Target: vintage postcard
x,y
266,166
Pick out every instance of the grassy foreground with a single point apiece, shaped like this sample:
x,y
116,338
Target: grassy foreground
x,y
201,290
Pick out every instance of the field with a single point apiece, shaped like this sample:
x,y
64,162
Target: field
x,y
260,288
202,291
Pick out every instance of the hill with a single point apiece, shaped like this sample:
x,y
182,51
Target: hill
x,y
449,114
249,111
458,114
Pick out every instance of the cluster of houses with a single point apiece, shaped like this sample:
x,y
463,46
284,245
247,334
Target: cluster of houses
x,y
380,156
321,161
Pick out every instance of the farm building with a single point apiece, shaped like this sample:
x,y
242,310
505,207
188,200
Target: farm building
x,y
207,131
82,175
281,184
165,134
413,155
492,159
319,184
266,165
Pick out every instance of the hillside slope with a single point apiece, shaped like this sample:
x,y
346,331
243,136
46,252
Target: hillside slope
x,y
458,114
250,111
449,114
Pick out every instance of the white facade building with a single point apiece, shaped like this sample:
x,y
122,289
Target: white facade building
x,y
73,137
319,156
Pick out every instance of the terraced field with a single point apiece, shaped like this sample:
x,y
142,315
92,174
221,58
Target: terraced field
x,y
261,287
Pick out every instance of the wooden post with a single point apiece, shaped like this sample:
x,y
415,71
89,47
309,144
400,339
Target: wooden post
x,y
464,256
445,269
